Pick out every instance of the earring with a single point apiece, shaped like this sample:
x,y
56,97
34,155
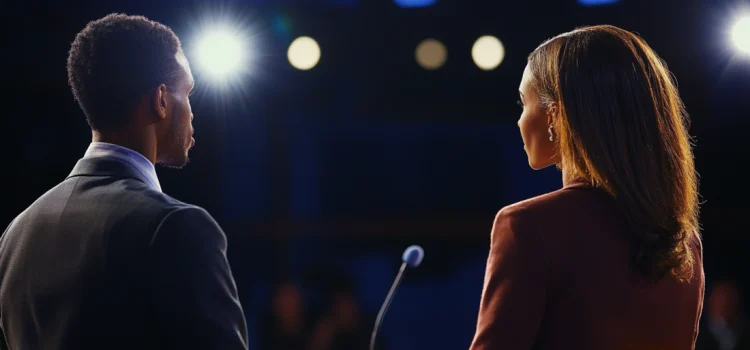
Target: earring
x,y
551,138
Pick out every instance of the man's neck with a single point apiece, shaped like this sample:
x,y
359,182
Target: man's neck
x,y
137,142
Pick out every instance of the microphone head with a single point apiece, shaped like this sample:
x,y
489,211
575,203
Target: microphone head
x,y
413,256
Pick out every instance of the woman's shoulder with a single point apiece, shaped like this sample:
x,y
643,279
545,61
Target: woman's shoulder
x,y
530,227
564,201
544,225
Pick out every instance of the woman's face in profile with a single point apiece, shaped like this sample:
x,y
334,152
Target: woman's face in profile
x,y
534,124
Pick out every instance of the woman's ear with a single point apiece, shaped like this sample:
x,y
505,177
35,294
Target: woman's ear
x,y
553,111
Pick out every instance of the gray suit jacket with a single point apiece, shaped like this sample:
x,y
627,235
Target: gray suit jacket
x,y
102,261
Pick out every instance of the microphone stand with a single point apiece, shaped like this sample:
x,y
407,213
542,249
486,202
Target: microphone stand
x,y
386,304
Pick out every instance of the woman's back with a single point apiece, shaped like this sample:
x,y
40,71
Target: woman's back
x,y
560,277
612,260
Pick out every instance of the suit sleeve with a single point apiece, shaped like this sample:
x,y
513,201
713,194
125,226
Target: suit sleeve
x,y
3,340
513,297
194,296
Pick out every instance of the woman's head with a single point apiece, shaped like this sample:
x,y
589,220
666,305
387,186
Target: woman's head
x,y
536,124
600,104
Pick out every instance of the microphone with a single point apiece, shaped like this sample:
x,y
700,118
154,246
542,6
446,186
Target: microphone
x,y
412,257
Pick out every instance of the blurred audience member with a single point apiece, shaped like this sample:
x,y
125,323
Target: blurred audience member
x,y
285,326
724,323
342,325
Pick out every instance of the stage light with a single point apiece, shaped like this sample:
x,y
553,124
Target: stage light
x,y
431,54
304,53
597,2
415,3
221,53
488,52
741,34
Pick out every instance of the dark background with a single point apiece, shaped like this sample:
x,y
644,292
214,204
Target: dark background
x,y
339,168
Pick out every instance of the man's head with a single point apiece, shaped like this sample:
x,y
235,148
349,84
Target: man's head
x,y
129,73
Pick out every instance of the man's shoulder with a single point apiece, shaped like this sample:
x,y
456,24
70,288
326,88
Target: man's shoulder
x,y
125,190
117,199
164,208
191,226
147,202
160,199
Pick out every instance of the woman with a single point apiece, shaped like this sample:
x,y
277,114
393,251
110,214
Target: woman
x,y
613,260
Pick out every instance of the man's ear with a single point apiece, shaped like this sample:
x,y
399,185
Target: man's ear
x,y
160,101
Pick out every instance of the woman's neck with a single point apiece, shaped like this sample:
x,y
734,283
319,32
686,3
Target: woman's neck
x,y
567,178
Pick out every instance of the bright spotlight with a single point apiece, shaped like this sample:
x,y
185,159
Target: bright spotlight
x,y
597,2
415,3
304,53
741,34
221,53
488,52
431,54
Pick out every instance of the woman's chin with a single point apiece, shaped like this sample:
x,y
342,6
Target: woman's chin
x,y
536,165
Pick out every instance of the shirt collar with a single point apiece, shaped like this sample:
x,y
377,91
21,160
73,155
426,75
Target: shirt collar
x,y
128,156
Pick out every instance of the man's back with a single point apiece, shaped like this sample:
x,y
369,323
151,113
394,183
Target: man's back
x,y
103,261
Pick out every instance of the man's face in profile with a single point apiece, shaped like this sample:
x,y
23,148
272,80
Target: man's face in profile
x,y
178,139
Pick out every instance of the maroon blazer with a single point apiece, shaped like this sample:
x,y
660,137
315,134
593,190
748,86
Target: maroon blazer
x,y
558,277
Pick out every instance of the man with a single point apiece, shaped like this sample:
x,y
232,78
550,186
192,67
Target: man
x,y
105,260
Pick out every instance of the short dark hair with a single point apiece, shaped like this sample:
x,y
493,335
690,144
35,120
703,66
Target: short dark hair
x,y
116,59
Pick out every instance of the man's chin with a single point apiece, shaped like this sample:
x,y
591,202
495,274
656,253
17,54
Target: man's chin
x,y
175,163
